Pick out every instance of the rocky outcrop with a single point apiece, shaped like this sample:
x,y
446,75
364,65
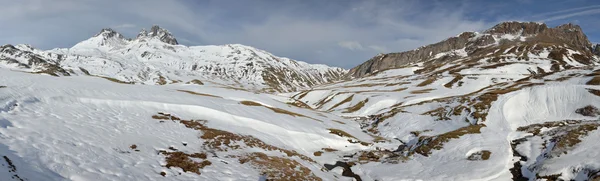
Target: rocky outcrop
x,y
568,34
160,33
596,49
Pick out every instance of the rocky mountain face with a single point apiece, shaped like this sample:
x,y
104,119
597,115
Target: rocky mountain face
x,y
469,43
155,57
596,49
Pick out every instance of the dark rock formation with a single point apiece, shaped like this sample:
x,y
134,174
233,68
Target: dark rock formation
x,y
568,34
162,34
590,111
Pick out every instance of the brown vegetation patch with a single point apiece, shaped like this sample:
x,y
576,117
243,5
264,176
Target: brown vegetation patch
x,y
594,81
497,65
428,143
348,99
115,80
299,104
328,149
589,110
195,81
278,168
423,91
199,94
274,109
395,84
363,85
440,114
302,94
185,161
134,147
573,136
594,91
480,155
427,82
356,107
457,77
346,135
318,153
161,80
223,140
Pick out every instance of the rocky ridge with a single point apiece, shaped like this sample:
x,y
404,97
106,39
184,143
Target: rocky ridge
x,y
468,43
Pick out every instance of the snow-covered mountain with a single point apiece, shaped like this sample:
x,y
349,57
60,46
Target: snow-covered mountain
x,y
519,101
155,57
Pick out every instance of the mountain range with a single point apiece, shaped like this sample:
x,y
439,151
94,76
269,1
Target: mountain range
x,y
518,101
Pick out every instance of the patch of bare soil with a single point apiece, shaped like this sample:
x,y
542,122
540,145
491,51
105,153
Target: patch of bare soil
x,y
480,155
276,110
187,162
199,94
278,168
428,143
589,110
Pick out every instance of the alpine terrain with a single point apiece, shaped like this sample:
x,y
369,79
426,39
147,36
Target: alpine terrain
x,y
519,101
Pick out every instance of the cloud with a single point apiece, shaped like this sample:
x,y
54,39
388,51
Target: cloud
x,y
352,45
126,25
570,14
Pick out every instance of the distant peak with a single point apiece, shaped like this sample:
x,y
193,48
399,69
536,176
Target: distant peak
x,y
160,33
513,27
109,33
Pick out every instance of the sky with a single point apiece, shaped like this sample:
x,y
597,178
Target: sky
x,y
342,33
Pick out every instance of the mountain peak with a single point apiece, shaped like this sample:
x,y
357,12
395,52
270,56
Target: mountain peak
x,y
109,33
514,27
162,34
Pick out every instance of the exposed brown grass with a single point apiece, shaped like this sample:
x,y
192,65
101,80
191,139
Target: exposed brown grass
x,y
423,91
480,155
274,109
356,107
346,135
161,80
299,104
594,91
428,143
573,137
328,149
195,81
185,161
134,147
440,114
199,94
594,81
115,80
427,82
221,140
278,168
348,99
395,84
302,94
318,153
457,77
497,65
363,85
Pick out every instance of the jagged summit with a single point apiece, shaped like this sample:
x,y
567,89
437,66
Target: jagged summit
x,y
468,43
162,34
109,33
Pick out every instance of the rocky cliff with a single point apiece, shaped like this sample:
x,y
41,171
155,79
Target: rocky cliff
x,y
467,43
